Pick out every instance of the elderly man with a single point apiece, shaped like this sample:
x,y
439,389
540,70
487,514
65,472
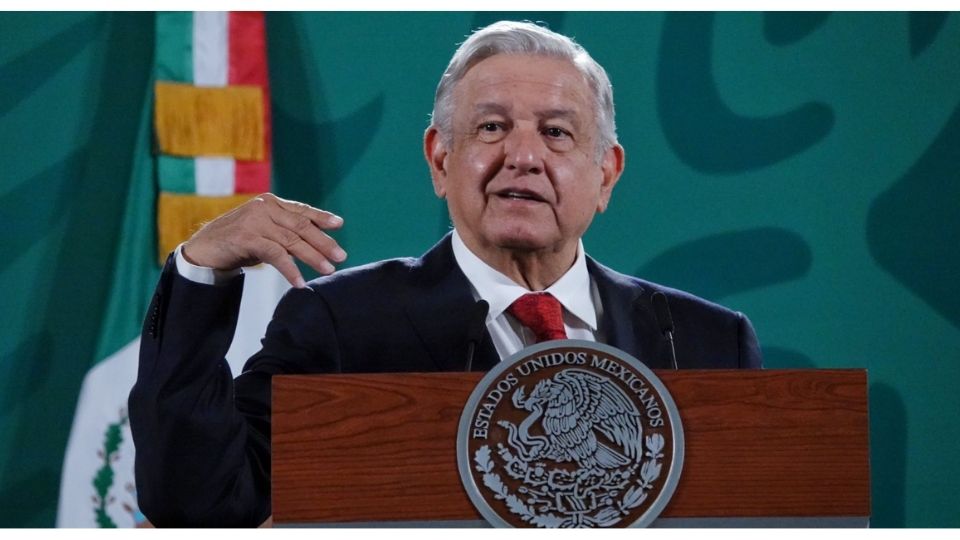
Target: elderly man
x,y
523,148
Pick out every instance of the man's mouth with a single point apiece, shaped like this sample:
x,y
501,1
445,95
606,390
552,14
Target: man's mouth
x,y
520,195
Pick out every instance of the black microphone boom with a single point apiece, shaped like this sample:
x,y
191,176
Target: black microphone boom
x,y
475,327
661,310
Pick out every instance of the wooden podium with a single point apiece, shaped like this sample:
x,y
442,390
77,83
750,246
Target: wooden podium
x,y
763,448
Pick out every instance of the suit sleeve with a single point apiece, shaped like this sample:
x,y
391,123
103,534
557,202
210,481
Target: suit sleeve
x,y
202,437
750,353
199,461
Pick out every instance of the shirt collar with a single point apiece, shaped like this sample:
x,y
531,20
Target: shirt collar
x,y
572,289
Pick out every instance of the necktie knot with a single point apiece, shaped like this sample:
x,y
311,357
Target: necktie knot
x,y
542,314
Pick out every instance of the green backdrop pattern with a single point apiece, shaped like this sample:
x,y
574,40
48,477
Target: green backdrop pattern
x,y
801,167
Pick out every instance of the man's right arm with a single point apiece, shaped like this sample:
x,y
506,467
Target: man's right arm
x,y
203,456
185,426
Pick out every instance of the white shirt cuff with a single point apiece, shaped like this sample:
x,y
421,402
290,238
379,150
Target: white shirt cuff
x,y
203,274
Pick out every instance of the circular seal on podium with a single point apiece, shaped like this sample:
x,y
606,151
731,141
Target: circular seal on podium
x,y
570,433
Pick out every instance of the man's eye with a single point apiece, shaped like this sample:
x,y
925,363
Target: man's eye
x,y
491,131
556,133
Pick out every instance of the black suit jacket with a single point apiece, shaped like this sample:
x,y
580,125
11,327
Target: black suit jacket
x,y
203,439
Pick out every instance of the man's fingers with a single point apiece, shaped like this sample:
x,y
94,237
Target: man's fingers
x,y
321,218
276,256
295,244
297,227
307,254
304,229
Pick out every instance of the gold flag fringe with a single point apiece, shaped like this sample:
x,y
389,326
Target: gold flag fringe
x,y
203,121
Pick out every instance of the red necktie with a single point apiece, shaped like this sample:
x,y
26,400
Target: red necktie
x,y
541,313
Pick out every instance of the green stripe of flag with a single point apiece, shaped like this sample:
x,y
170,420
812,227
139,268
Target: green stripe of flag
x,y
174,51
135,266
176,174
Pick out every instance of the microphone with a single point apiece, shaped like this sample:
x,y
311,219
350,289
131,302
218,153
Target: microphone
x,y
662,311
475,327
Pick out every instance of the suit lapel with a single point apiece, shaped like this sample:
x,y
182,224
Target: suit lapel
x,y
628,322
439,309
440,303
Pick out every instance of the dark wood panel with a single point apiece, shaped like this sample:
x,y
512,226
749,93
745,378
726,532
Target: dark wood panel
x,y
372,447
382,447
772,443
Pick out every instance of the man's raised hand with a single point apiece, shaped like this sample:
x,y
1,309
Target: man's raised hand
x,y
271,230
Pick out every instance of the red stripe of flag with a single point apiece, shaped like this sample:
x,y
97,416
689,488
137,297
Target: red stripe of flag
x,y
247,59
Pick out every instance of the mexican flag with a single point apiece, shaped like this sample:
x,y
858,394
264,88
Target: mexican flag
x,y
203,148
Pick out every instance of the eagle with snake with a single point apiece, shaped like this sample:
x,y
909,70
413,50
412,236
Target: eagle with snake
x,y
583,417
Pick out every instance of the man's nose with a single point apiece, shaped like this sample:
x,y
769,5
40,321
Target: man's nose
x,y
524,151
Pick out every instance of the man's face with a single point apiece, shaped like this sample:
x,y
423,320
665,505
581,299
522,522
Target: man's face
x,y
522,173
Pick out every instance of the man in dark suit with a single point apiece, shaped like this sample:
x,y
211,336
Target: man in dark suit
x,y
522,145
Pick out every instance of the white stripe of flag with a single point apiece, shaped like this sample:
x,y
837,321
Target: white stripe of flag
x,y
214,176
210,48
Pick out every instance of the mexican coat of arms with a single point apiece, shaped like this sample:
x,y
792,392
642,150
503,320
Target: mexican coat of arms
x,y
570,434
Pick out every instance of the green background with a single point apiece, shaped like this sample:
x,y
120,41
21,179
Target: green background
x,y
803,168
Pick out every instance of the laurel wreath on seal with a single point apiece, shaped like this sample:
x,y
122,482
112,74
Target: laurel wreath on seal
x,y
633,497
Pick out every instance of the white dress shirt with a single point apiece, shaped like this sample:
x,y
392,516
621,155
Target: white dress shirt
x,y
576,291
202,274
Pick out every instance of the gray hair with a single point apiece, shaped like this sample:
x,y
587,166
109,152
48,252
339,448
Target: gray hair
x,y
509,37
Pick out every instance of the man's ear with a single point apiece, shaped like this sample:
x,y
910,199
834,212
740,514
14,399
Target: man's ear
x,y
614,160
435,151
